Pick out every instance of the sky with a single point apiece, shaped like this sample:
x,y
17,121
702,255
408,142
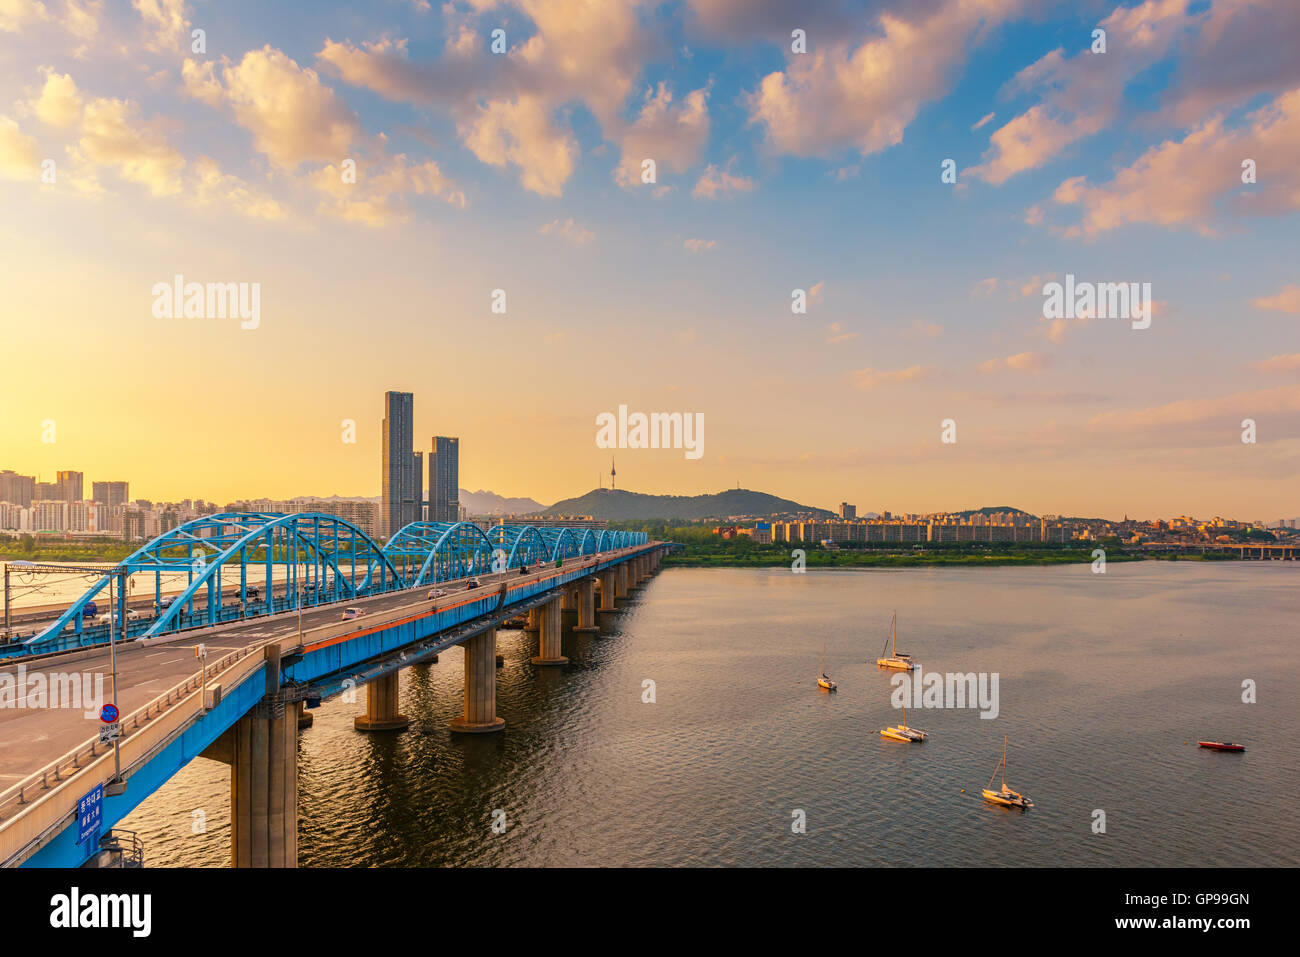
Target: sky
x,y
920,170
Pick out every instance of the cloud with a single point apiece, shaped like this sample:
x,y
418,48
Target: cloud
x,y
1288,300
717,183
16,14
871,378
1209,417
840,95
984,119
672,136
1033,362
568,229
166,22
1243,48
520,133
700,245
19,155
210,186
1082,94
837,334
200,81
291,114
504,105
112,136
920,329
374,198
1284,363
59,103
1178,182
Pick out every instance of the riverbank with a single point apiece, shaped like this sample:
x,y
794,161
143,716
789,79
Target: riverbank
x,y
867,559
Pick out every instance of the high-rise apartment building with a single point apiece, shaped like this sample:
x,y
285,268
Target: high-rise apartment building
x,y
400,496
848,511
17,489
70,486
110,493
444,479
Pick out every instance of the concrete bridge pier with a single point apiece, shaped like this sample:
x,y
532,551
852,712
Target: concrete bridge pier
x,y
550,644
534,621
607,589
381,707
305,718
620,580
480,686
262,751
587,606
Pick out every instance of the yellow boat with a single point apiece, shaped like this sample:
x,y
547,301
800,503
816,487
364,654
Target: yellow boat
x,y
1004,795
903,733
824,681
894,659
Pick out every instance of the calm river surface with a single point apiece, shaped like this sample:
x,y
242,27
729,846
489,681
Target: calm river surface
x,y
1105,684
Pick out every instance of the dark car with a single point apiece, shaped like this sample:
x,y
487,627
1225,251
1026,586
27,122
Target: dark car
x,y
523,569
474,583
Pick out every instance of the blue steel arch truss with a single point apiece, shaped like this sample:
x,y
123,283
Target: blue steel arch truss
x,y
321,558
428,552
523,544
310,558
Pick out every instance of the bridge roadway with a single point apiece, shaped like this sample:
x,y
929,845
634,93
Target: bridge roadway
x,y
33,736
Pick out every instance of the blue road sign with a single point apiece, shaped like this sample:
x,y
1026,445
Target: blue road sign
x,y
108,713
90,818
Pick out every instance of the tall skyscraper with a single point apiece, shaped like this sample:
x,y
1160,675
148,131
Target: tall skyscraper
x,y
399,502
17,489
418,472
110,493
444,479
70,486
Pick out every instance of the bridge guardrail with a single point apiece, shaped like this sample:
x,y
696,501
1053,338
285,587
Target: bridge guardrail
x,y
72,764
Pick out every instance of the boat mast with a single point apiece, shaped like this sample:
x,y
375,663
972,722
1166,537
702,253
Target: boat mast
x,y
1004,762
893,635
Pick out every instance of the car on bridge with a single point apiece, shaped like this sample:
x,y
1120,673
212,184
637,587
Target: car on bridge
x,y
474,583
132,614
437,593
253,592
351,614
523,569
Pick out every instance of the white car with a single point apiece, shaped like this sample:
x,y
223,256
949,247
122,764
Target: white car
x,y
350,614
132,614
437,593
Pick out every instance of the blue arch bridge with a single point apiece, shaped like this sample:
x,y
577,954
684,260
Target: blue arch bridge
x,y
214,638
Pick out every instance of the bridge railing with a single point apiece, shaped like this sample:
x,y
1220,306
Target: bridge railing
x,y
71,762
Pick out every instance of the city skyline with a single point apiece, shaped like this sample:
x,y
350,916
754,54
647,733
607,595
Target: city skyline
x,y
777,171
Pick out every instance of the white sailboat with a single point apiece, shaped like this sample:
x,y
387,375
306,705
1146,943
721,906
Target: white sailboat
x,y
824,681
902,732
894,659
1004,795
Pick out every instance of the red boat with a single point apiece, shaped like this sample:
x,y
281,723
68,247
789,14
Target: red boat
x,y
1222,745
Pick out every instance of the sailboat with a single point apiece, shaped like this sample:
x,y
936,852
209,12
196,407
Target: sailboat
x,y
824,681
894,659
1005,796
903,733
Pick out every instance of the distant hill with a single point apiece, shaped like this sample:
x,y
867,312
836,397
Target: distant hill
x,y
484,502
993,510
619,505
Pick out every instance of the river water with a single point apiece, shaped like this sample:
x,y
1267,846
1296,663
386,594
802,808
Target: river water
x,y
1105,683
